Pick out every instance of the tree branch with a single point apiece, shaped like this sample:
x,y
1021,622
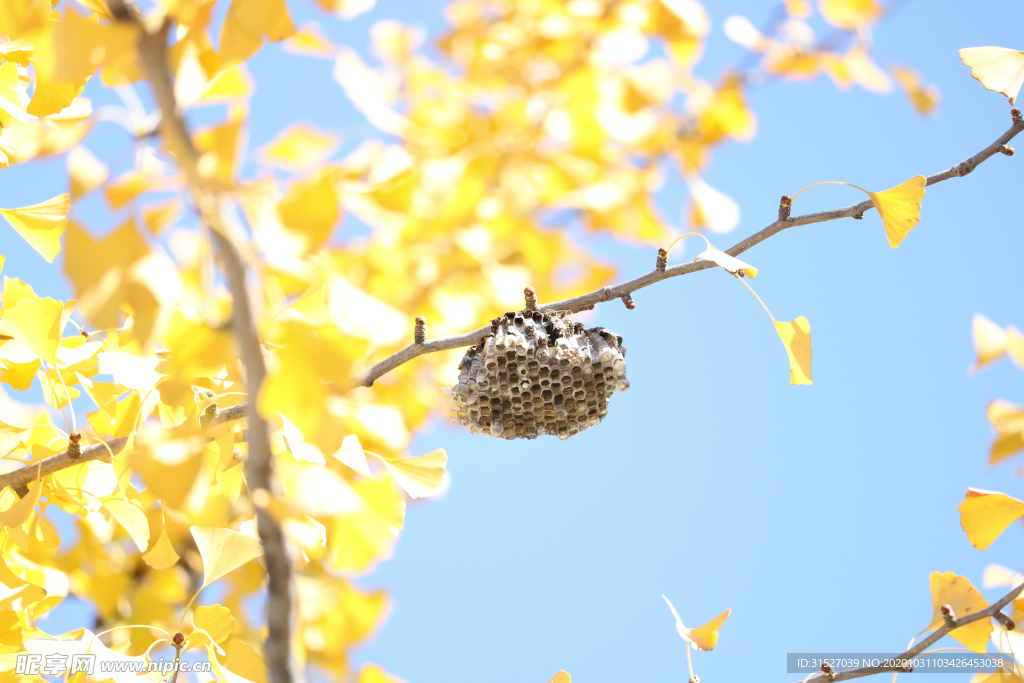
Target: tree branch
x,y
986,613
152,49
586,301
22,477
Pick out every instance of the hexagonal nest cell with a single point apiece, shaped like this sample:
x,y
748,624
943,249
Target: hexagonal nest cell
x,y
538,373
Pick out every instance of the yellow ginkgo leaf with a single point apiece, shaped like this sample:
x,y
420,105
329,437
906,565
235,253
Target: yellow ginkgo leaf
x,y
706,637
159,216
796,336
216,620
297,444
84,45
98,268
161,554
10,102
230,84
311,208
1000,675
1005,446
247,23
924,98
560,677
242,661
37,324
729,263
997,68
850,14
41,224
984,515
18,510
989,341
219,149
10,437
52,95
419,476
14,291
223,551
900,208
85,171
351,453
996,575
740,30
371,673
958,593
861,70
1015,346
299,147
712,209
703,637
310,41
130,516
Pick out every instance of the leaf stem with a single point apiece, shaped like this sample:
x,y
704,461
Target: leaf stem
x,y
689,234
755,296
53,388
830,182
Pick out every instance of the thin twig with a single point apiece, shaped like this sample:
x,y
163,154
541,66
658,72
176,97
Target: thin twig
x,y
586,301
986,613
20,478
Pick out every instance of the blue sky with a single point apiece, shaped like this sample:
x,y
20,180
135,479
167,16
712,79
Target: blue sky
x,y
815,513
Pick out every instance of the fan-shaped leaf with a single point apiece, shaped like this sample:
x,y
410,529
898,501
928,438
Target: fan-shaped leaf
x,y
997,68
223,551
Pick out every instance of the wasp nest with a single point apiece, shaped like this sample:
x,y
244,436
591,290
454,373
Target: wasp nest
x,y
538,373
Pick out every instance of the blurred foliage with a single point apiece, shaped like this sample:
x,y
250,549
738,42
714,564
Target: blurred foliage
x,y
529,113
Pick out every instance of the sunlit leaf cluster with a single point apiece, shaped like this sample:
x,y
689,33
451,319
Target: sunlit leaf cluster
x,y
537,115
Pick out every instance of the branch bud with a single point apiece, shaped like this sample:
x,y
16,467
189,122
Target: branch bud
x,y
420,334
178,639
628,300
75,445
1015,114
785,206
1006,621
858,216
531,298
662,261
948,615
210,411
1007,150
826,669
